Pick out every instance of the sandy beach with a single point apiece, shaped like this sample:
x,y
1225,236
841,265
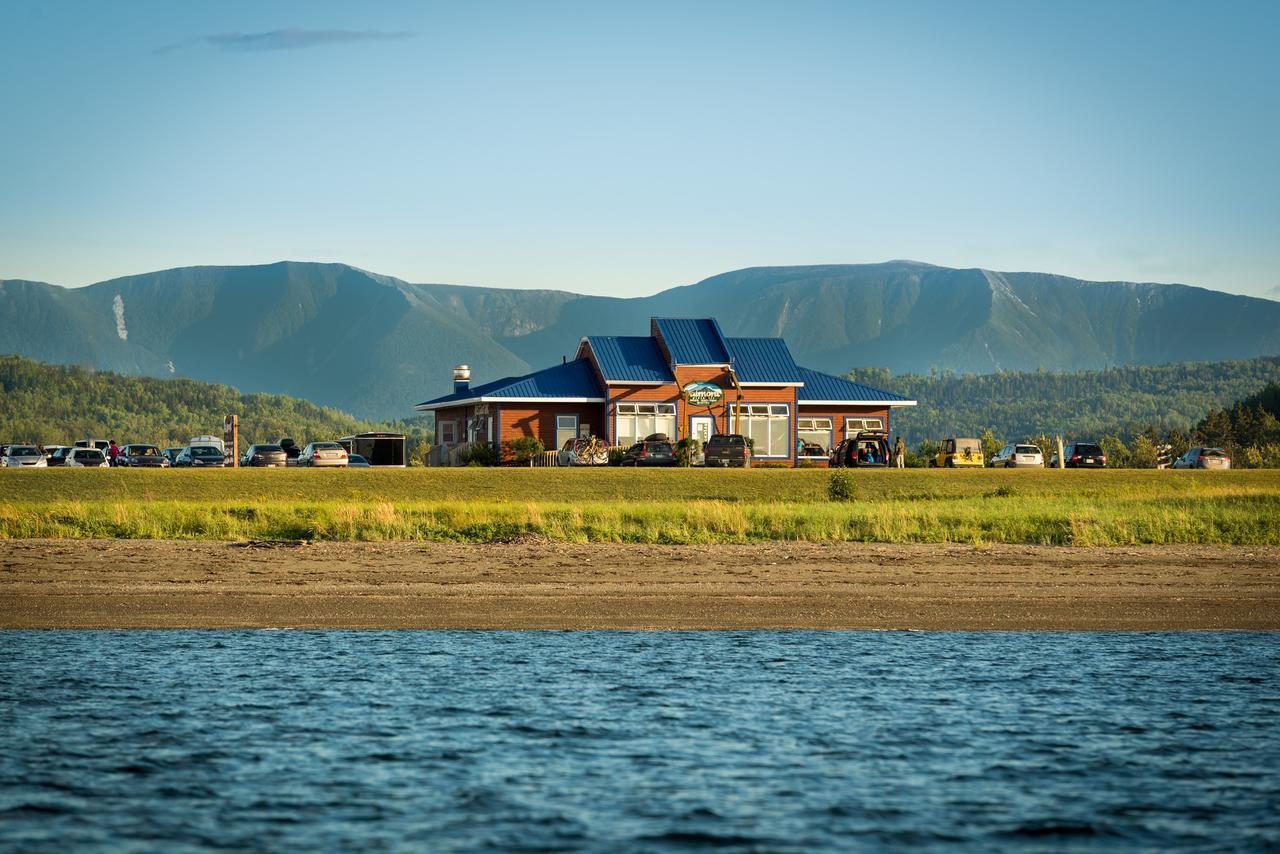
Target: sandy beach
x,y
137,584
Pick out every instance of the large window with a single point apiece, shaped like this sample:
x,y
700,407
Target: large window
x,y
815,431
448,432
566,429
853,425
634,421
769,427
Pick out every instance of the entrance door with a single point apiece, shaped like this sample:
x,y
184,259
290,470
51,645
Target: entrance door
x,y
701,427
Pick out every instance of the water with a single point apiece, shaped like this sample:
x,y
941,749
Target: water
x,y
638,741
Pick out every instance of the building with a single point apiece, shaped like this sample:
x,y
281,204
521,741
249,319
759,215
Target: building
x,y
685,378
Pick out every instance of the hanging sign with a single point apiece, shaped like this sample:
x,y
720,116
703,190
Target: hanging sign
x,y
703,394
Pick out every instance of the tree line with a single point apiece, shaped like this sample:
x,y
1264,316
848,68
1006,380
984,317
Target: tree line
x,y
57,404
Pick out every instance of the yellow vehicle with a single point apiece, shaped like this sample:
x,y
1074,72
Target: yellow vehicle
x,y
958,452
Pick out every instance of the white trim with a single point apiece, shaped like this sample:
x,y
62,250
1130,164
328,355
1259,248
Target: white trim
x,y
637,382
855,403
428,407
779,385
724,365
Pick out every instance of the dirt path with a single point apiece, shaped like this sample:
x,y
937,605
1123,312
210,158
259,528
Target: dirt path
x,y
128,584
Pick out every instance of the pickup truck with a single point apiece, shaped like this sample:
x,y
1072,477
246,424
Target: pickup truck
x,y
727,449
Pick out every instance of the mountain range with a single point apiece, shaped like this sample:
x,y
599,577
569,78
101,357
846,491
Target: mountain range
x,y
375,345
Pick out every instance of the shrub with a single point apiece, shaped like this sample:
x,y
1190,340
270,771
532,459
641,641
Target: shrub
x,y
686,450
615,456
480,454
840,486
525,449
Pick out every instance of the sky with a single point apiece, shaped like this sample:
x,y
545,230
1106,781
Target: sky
x,y
626,148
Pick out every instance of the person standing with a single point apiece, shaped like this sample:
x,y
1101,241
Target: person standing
x,y
899,453
113,453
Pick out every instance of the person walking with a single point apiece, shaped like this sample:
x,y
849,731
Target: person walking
x,y
899,453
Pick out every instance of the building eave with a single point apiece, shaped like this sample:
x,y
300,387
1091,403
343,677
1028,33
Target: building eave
x,y
471,401
855,403
773,385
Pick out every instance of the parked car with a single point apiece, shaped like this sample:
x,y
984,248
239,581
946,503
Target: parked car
x,y
1015,456
357,461
23,457
291,450
1081,455
200,456
54,455
1203,458
583,452
727,449
864,448
649,453
142,456
323,454
88,458
269,456
171,454
958,453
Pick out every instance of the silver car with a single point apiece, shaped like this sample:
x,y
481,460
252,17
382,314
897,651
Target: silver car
x,y
87,458
323,454
1203,458
24,457
1015,456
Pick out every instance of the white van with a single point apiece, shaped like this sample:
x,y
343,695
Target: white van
x,y
214,441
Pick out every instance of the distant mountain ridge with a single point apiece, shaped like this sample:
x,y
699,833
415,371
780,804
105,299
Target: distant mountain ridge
x,y
375,345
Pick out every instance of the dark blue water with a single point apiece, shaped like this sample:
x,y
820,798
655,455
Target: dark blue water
x,y
638,741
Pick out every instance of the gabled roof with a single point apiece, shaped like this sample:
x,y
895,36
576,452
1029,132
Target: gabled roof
x,y
824,388
763,360
571,382
630,359
693,341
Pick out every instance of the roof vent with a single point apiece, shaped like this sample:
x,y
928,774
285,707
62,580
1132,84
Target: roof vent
x,y
461,378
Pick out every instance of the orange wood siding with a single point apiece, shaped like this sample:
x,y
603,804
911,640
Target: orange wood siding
x,y
539,419
837,415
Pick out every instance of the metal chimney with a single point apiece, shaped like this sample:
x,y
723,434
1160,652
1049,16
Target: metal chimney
x,y
461,378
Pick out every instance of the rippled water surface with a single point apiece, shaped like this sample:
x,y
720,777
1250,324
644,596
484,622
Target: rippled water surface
x,y
638,741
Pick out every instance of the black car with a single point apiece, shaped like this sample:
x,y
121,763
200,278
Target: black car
x,y
866,449
264,456
648,453
201,456
59,455
291,450
358,461
1081,455
142,456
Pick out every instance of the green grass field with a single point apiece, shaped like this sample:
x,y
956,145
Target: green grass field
x,y
653,506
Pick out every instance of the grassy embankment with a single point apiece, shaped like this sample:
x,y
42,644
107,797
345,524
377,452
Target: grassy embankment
x,y
650,506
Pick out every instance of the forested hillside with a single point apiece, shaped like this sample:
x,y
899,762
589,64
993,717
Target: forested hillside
x,y
1080,405
52,404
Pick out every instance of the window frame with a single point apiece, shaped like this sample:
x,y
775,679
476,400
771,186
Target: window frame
x,y
769,415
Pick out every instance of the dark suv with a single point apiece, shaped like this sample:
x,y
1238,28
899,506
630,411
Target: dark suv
x,y
727,449
649,453
1081,455
867,448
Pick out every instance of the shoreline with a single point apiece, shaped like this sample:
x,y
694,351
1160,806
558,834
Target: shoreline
x,y
108,584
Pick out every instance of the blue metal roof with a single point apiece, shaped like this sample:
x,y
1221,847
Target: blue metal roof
x,y
763,360
819,386
574,379
630,359
693,341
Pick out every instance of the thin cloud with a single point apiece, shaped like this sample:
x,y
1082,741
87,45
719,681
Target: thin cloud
x,y
294,38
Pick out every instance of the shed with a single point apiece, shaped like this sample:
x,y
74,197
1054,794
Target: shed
x,y
380,449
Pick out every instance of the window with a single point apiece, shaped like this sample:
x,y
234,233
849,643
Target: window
x,y
769,427
816,431
479,429
566,429
634,421
853,425
448,432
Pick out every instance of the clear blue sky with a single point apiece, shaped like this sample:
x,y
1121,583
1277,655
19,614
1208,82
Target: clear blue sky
x,y
626,148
